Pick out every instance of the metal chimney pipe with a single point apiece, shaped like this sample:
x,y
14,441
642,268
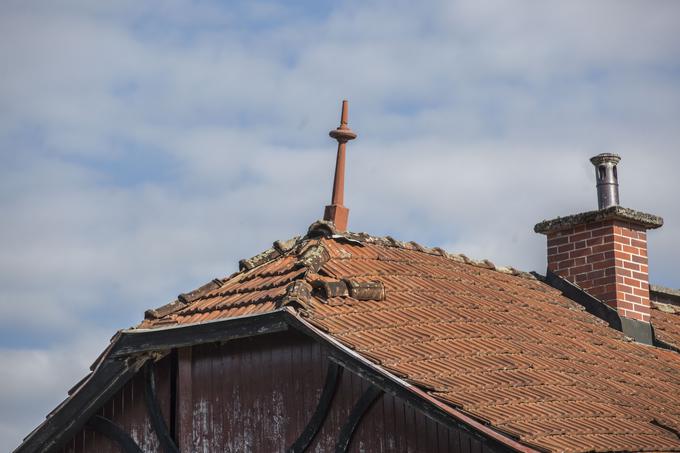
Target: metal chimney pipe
x,y
607,179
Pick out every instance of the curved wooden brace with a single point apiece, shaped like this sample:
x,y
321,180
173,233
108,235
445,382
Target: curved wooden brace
x,y
333,375
167,443
107,428
367,399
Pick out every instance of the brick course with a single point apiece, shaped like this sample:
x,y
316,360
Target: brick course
x,y
609,260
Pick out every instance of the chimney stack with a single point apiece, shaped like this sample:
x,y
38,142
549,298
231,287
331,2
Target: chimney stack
x,y
605,251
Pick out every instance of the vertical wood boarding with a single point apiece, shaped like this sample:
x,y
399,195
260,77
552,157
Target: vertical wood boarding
x,y
258,394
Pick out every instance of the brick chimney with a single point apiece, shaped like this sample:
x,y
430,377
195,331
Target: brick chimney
x,y
605,251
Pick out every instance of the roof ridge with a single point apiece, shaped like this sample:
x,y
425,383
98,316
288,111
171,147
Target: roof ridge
x,y
388,241
301,245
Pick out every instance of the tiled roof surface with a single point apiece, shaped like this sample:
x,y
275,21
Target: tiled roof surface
x,y
498,345
666,322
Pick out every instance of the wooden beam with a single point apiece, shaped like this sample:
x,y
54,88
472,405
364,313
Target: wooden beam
x,y
315,423
115,433
157,422
365,402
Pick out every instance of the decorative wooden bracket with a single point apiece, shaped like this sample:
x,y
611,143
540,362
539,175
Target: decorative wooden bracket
x,y
315,423
160,428
367,399
115,433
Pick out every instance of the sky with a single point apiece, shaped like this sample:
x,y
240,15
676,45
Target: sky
x,y
146,147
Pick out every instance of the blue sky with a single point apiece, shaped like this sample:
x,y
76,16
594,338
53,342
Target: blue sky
x,y
145,147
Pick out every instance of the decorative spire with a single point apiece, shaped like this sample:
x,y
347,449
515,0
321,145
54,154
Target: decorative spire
x,y
336,212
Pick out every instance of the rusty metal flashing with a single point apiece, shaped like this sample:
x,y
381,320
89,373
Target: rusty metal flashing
x,y
130,350
333,375
115,433
642,219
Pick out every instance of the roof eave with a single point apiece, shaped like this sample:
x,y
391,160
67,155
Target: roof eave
x,y
130,349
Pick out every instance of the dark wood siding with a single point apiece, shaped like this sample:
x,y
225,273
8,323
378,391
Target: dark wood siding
x,y
128,410
258,394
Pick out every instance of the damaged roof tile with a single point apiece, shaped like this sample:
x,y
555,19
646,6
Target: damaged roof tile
x,y
494,342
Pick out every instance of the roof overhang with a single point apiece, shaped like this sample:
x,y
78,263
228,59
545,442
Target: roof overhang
x,y
130,349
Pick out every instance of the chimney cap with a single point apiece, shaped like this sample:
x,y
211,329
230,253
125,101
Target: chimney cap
x,y
605,158
648,221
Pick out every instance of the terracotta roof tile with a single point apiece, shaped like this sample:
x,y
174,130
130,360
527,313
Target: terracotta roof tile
x,y
666,322
493,342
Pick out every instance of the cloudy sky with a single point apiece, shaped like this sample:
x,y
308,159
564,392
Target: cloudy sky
x,y
145,147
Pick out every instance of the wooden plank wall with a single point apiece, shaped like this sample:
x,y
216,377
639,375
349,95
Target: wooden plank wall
x,y
128,410
257,395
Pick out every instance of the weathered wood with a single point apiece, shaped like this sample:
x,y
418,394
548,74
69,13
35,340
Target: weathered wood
x,y
112,372
72,414
115,433
367,399
356,365
184,427
137,341
316,421
157,422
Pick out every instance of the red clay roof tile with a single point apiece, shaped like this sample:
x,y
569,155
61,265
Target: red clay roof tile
x,y
498,345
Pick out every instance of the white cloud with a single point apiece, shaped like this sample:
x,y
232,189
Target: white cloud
x,y
145,149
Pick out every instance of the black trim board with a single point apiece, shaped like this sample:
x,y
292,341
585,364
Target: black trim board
x,y
136,341
70,417
124,357
131,348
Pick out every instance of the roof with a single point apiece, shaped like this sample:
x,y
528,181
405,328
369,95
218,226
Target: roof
x,y
666,314
649,221
494,343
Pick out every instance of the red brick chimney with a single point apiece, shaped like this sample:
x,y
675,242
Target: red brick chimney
x,y
605,251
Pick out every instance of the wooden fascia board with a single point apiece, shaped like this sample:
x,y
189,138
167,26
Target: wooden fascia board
x,y
130,350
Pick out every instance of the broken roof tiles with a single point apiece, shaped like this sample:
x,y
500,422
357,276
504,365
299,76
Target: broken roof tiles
x,y
493,342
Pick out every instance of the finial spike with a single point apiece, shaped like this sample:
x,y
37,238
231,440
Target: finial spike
x,y
336,212
345,113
